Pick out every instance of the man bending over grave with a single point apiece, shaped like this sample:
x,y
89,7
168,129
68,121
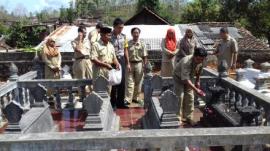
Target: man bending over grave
x,y
103,55
186,77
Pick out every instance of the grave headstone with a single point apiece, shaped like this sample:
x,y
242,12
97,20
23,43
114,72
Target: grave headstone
x,y
169,102
101,85
13,112
39,94
92,104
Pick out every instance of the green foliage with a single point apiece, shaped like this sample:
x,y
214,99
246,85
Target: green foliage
x,y
3,29
124,12
85,8
67,14
201,11
153,5
21,36
251,14
42,16
171,12
258,17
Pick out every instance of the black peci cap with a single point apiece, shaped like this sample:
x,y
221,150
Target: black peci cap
x,y
105,30
99,25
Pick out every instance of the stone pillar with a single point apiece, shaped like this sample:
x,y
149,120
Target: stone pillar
x,y
147,84
262,82
13,76
37,66
265,67
249,63
223,69
240,74
13,72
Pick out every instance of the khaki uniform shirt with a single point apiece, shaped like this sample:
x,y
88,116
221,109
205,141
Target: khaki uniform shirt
x,y
186,47
84,47
225,50
119,42
94,36
103,53
186,69
136,51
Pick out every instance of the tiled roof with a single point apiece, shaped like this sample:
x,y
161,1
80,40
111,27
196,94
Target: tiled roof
x,y
246,41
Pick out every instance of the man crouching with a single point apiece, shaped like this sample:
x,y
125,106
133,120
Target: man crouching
x,y
186,70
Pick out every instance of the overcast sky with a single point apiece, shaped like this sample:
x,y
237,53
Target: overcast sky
x,y
32,5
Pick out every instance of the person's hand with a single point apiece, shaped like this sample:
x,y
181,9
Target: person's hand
x,y
233,67
128,67
108,66
200,92
198,85
117,66
170,56
56,69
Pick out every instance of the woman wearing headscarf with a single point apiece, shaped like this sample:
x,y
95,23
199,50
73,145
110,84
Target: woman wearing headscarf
x,y
186,45
52,59
169,49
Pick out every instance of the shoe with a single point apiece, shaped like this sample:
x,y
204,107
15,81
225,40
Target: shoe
x,y
114,108
135,101
126,103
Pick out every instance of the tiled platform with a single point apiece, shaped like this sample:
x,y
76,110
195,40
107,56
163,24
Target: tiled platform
x,y
130,118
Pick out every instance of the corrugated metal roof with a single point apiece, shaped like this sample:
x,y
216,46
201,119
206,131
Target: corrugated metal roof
x,y
152,35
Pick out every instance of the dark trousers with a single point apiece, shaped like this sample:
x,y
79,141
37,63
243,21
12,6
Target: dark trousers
x,y
118,91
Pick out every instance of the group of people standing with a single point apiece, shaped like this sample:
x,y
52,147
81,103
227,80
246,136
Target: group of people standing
x,y
105,49
99,52
184,60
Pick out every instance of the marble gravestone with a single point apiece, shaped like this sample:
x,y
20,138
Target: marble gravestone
x,y
162,112
35,120
100,115
100,86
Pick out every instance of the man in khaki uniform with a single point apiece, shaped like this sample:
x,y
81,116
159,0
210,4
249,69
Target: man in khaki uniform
x,y
94,35
137,58
183,75
103,55
82,67
227,49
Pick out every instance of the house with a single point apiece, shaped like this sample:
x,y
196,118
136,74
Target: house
x,y
147,17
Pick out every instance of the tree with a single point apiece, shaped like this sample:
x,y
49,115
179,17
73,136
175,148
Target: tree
x,y
259,18
153,5
70,13
201,10
85,8
67,14
3,29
